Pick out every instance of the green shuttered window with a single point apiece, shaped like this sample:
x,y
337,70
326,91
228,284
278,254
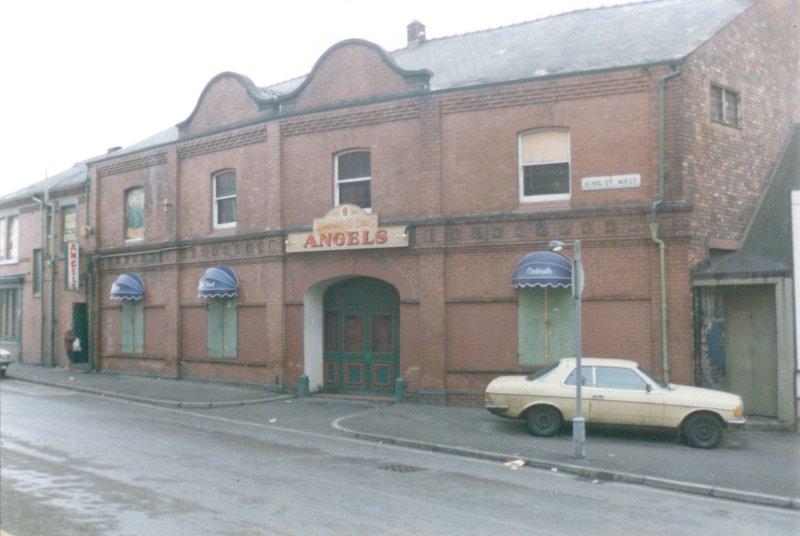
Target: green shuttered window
x,y
132,327
545,323
222,327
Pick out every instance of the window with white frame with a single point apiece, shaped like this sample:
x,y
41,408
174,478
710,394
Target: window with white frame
x,y
224,185
724,106
353,178
9,238
544,159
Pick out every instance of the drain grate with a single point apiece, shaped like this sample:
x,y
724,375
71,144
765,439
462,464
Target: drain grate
x,y
401,468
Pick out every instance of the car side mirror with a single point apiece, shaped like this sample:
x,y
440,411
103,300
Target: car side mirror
x,y
648,387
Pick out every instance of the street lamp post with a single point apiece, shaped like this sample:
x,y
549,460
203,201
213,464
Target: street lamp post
x,y
578,423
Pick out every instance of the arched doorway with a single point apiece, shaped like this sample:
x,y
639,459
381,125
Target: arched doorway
x,y
360,341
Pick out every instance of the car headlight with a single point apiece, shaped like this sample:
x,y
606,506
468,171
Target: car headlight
x,y
738,411
487,398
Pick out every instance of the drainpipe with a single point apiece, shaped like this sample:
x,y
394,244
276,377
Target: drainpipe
x,y
53,319
42,208
90,312
90,260
662,249
46,208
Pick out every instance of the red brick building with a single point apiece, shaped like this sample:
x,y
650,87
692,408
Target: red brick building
x,y
625,127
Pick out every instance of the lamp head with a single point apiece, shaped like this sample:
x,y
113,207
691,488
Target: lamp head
x,y
556,245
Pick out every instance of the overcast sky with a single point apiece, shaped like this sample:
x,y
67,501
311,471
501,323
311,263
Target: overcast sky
x,y
81,76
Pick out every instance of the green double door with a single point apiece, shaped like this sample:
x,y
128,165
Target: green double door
x,y
361,336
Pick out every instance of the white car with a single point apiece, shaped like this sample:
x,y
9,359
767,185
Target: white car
x,y
5,361
615,392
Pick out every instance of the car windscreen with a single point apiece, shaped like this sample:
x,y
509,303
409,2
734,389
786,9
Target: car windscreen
x,y
542,373
653,377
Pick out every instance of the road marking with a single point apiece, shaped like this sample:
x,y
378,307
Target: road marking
x,y
319,435
4,533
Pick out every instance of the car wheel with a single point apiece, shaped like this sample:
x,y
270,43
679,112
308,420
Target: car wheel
x,y
543,421
703,431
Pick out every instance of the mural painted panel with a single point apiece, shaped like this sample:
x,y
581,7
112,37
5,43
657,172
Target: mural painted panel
x,y
134,214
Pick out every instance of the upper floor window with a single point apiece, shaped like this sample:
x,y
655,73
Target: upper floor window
x,y
724,106
38,269
224,199
9,238
544,165
353,179
134,213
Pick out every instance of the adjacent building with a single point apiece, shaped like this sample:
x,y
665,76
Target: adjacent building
x,y
375,219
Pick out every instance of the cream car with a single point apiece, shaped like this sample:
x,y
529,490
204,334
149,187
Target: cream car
x,y
615,392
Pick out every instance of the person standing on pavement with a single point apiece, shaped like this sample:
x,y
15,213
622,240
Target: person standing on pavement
x,y
72,345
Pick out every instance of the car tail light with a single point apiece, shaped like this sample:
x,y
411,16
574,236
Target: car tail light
x,y
738,410
487,398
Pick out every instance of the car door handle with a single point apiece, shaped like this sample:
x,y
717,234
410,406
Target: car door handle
x,y
597,397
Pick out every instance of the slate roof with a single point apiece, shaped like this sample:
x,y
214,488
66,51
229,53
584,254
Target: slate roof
x,y
586,40
74,176
649,32
767,246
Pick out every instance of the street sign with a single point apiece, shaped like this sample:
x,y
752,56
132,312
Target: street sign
x,y
73,266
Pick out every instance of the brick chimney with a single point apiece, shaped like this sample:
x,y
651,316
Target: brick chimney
x,y
416,33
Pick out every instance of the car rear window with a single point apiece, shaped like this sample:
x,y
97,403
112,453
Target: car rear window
x,y
542,373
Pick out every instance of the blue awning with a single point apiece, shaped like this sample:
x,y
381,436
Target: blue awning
x,y
218,282
128,287
543,269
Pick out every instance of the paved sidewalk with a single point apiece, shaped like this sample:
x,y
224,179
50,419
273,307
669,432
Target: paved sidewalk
x,y
153,390
753,463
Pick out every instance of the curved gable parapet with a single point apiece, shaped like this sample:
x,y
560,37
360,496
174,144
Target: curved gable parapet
x,y
228,98
354,70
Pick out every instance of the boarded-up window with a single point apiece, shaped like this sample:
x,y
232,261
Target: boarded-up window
x,y
544,158
134,214
132,327
222,327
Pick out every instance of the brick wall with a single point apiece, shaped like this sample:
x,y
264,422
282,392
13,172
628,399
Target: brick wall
x,y
224,102
34,334
726,168
449,162
350,71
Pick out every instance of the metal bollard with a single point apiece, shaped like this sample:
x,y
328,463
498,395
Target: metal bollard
x,y
399,391
302,388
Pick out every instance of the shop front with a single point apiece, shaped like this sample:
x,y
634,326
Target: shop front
x,y
351,321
